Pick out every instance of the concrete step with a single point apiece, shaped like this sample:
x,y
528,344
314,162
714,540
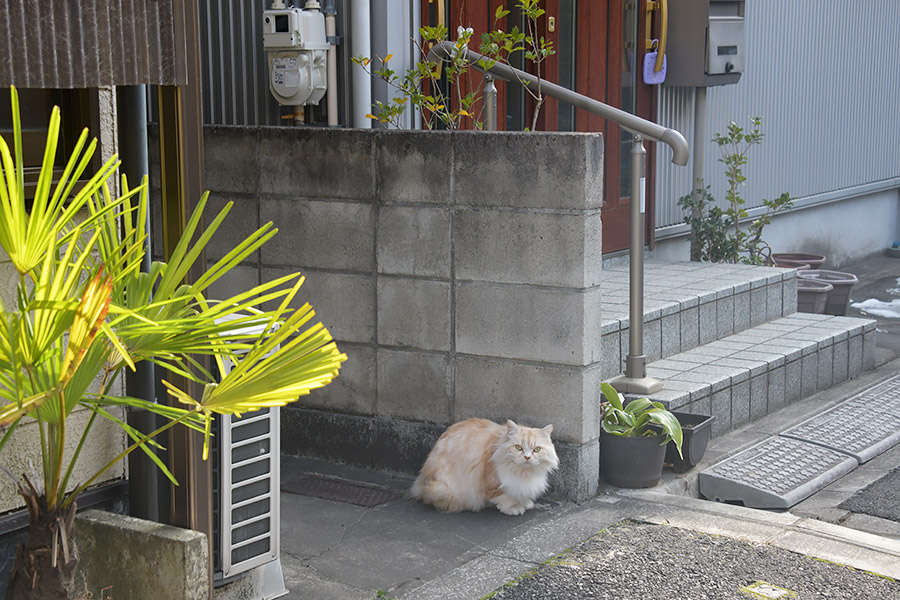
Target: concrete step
x,y
747,375
688,304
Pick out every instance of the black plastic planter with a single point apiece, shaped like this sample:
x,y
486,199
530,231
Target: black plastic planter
x,y
631,462
695,431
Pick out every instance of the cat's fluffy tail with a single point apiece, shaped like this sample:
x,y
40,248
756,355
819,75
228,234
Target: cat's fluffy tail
x,y
436,493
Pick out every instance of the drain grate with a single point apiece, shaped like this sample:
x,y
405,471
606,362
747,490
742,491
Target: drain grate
x,y
776,473
860,427
339,490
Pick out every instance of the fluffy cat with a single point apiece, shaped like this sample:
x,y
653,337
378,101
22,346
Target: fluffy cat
x,y
477,463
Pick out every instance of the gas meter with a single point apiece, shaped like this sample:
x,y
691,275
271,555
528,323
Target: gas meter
x,y
706,43
297,49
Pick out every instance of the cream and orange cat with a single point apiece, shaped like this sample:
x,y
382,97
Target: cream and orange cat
x,y
477,463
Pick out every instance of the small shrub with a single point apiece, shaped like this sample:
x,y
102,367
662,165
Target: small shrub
x,y
716,234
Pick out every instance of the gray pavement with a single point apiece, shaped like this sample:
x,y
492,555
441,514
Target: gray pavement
x,y
362,534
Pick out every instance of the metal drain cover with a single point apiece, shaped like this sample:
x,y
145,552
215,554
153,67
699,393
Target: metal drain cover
x,y
860,427
776,473
339,490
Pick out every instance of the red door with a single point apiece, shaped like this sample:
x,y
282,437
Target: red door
x,y
600,45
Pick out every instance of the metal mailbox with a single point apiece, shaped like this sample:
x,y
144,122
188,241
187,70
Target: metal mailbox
x,y
705,42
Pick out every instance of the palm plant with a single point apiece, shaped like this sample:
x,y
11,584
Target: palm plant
x,y
84,311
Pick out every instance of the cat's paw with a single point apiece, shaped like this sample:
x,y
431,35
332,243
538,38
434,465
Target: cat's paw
x,y
512,509
528,505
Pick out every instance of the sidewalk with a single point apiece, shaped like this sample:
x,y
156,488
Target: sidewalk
x,y
370,537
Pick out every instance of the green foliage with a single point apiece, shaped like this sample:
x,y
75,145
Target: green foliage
x,y
716,234
84,312
420,86
639,418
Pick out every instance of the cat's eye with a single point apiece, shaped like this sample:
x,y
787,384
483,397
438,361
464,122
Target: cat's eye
x,y
537,448
518,448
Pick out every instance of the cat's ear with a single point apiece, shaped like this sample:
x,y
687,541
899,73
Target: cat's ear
x,y
511,427
548,429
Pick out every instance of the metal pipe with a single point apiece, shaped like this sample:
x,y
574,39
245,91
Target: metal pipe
x,y
698,158
360,45
490,104
331,94
633,123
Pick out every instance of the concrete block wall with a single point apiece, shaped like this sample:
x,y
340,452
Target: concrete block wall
x,y
459,271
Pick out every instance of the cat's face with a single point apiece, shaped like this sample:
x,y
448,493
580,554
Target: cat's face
x,y
528,447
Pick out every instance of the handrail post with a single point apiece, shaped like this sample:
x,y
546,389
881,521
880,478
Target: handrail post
x,y
490,103
635,380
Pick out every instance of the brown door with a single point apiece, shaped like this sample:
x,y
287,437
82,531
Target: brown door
x,y
599,52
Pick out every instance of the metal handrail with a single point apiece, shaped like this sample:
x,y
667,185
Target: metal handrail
x,y
635,379
633,123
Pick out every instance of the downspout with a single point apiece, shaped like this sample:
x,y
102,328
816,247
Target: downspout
x,y
143,475
331,95
360,45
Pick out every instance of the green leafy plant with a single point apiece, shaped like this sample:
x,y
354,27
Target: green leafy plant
x,y
420,86
84,312
638,418
716,233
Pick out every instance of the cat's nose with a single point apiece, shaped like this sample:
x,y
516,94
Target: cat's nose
x,y
527,457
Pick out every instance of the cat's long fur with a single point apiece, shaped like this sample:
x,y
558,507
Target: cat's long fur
x,y
477,463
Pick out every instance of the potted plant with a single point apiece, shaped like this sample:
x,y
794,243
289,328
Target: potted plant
x,y
696,431
84,312
633,439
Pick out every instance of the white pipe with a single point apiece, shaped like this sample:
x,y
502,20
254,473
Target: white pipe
x,y
360,44
331,98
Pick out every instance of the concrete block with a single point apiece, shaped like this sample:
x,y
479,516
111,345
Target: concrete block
x,y
414,313
740,403
826,367
344,303
242,221
238,280
774,306
758,306
523,170
353,391
612,359
528,247
841,361
776,389
414,385
227,170
854,356
324,163
414,240
809,375
653,340
725,316
708,323
792,381
742,311
569,398
690,328
721,410
578,475
141,559
759,396
531,323
671,335
413,166
323,235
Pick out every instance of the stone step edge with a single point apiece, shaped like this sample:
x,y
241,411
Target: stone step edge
x,y
675,326
745,376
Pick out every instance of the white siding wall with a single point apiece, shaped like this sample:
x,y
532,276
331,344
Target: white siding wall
x,y
824,79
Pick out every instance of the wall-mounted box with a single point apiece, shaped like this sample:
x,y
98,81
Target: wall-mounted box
x,y
705,42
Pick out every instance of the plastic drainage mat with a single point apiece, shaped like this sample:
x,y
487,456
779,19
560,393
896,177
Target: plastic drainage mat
x,y
776,473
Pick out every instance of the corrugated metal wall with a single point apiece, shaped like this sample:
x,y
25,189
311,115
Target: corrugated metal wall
x,y
91,43
823,76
